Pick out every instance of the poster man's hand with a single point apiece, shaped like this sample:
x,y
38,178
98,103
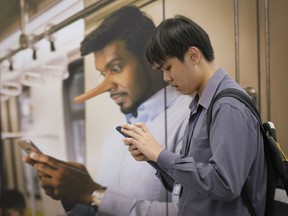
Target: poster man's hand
x,y
64,180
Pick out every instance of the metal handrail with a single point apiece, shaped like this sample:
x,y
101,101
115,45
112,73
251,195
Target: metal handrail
x,y
81,14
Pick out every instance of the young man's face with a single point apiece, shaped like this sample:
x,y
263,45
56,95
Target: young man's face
x,y
127,79
180,75
185,76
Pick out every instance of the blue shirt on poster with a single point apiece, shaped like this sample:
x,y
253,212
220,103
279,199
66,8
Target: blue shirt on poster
x,y
132,187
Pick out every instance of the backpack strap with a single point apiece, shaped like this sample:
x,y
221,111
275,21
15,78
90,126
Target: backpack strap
x,y
247,202
241,96
235,93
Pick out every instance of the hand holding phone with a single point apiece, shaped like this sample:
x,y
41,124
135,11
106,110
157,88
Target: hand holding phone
x,y
118,128
28,146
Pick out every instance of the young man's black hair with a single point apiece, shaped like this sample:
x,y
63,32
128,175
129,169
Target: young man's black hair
x,y
167,41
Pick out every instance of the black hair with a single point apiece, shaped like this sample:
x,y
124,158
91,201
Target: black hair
x,y
173,37
128,24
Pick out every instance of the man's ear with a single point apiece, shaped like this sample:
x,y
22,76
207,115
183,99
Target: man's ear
x,y
194,54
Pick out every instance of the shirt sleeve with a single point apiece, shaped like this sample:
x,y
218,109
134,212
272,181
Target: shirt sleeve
x,y
125,205
221,176
166,180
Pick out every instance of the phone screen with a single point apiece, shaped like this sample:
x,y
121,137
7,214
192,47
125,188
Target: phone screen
x,y
28,146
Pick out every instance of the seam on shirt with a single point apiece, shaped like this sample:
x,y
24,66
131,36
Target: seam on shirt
x,y
222,103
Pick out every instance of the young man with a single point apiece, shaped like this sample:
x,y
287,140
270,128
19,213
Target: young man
x,y
123,186
211,171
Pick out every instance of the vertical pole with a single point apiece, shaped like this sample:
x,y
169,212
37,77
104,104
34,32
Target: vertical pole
x,y
258,58
267,59
23,17
2,179
165,119
236,29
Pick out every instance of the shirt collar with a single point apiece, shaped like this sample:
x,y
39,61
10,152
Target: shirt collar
x,y
154,105
209,90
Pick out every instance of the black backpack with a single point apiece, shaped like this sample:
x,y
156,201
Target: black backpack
x,y
277,162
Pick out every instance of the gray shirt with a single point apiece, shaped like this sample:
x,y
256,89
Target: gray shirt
x,y
214,171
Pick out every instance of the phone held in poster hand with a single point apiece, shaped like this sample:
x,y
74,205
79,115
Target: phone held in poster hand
x,y
28,146
118,128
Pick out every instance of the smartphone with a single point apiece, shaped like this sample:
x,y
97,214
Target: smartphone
x,y
28,146
118,128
